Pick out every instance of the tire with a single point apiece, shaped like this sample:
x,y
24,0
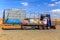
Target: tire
x,y
53,27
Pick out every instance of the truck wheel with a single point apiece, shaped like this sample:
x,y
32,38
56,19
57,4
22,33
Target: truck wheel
x,y
47,27
36,27
53,27
43,28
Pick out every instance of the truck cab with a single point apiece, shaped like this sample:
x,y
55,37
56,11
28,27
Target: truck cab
x,y
49,23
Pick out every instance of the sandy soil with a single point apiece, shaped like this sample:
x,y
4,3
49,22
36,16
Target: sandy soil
x,y
30,34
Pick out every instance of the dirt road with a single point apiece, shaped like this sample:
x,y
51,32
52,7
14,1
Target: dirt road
x,y
30,34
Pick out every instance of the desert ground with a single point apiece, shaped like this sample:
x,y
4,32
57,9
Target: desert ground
x,y
51,34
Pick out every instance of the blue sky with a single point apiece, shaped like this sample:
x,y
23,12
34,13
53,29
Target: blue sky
x,y
52,6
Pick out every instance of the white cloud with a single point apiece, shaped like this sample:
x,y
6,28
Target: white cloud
x,y
53,0
57,2
55,13
55,10
24,3
51,4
